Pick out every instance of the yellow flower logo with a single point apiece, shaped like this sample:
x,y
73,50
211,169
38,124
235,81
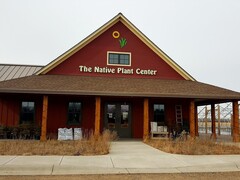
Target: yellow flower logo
x,y
116,34
122,41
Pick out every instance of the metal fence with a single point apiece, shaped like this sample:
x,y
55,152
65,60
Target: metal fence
x,y
223,123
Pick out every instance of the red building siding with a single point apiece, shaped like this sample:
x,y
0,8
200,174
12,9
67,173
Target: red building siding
x,y
95,54
137,118
58,111
10,109
9,112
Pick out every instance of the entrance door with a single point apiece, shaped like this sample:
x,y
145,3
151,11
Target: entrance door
x,y
118,118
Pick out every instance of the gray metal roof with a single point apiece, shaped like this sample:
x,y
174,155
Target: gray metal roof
x,y
13,71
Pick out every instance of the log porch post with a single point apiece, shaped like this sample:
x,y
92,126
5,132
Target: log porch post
x,y
196,121
97,115
44,119
213,118
235,123
219,125
145,117
192,119
206,120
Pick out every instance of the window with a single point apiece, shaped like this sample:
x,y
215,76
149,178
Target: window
x,y
74,112
124,115
123,59
27,112
159,115
111,115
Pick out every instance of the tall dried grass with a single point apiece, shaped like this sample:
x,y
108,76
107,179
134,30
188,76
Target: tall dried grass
x,y
90,145
193,146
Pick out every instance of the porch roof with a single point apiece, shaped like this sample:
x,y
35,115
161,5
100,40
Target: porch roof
x,y
107,86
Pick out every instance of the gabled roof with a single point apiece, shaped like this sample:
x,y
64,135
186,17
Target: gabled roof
x,y
109,86
13,71
101,30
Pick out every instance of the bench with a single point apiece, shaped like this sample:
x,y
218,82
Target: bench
x,y
158,132
158,135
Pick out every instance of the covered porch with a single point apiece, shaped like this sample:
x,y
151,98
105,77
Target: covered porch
x,y
135,114
53,95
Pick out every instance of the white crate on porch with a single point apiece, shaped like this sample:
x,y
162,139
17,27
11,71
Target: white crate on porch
x,y
77,135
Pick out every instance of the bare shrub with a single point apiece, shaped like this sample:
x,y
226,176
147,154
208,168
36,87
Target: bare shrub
x,y
90,145
193,146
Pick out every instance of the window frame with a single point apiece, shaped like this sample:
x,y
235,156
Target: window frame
x,y
164,113
80,113
21,120
119,53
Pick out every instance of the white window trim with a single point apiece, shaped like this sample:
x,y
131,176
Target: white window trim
x,y
114,52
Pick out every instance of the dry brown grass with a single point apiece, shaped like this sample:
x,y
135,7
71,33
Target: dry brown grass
x,y
162,176
193,146
90,145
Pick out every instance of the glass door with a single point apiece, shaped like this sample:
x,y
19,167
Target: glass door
x,y
117,118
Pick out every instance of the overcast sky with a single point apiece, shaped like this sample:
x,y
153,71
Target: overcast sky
x,y
202,36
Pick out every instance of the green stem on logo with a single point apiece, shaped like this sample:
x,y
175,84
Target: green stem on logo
x,y
122,42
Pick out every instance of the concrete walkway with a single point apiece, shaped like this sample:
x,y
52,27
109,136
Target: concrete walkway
x,y
125,157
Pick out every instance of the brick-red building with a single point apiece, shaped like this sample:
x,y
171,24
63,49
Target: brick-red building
x,y
115,78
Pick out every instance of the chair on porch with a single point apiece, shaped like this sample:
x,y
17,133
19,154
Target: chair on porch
x,y
158,131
